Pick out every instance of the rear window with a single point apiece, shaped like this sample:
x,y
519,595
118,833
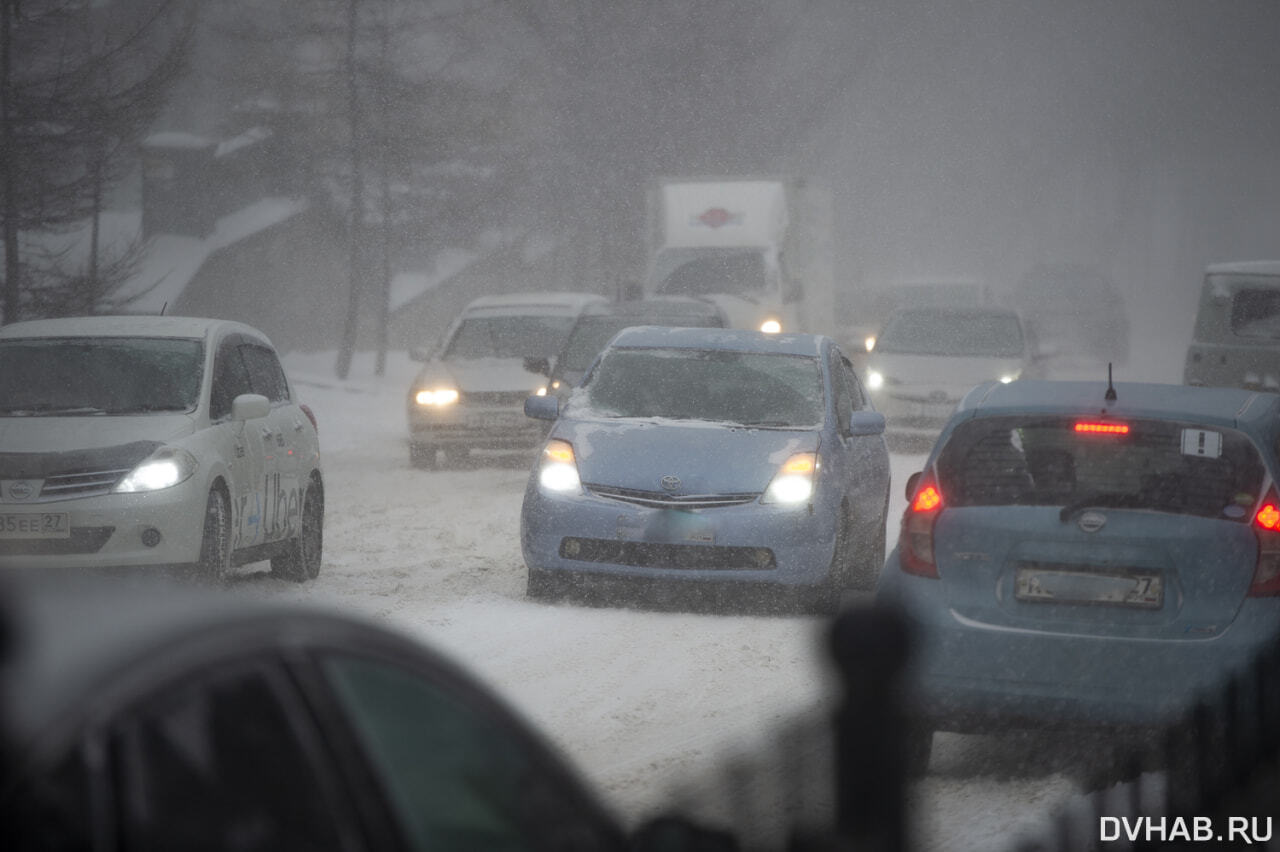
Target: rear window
x,y
1255,312
1165,466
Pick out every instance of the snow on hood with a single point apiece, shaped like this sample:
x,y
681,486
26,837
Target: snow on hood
x,y
52,434
709,458
483,375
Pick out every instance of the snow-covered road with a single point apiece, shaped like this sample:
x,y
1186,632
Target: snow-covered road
x,y
644,703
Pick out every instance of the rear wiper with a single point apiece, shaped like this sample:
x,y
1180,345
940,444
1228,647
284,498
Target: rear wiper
x,y
1114,499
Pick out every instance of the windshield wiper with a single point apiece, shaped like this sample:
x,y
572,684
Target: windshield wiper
x,y
1112,499
37,410
768,424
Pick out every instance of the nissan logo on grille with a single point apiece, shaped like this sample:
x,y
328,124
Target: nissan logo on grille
x,y
670,483
1092,521
20,490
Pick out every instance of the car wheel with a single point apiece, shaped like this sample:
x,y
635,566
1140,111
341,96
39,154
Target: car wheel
x,y
301,561
870,560
828,596
215,544
919,749
422,455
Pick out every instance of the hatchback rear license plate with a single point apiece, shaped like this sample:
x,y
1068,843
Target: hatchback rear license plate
x,y
1141,589
35,525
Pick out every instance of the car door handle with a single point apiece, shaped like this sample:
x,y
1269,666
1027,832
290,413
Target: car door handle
x,y
297,425
266,432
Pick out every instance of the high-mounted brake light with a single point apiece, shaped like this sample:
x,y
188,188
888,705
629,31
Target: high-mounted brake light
x,y
915,544
1266,526
1102,428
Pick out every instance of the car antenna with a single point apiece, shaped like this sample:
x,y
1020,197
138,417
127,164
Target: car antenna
x,y
163,308
1110,395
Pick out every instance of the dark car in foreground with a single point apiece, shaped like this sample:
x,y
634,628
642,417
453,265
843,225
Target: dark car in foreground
x,y
142,717
1081,554
699,459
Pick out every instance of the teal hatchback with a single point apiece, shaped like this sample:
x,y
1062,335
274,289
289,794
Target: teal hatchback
x,y
1081,554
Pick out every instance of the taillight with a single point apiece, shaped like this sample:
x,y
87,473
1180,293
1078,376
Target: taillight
x,y
1266,525
1090,428
311,415
915,544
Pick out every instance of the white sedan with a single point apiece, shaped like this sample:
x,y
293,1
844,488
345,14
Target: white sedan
x,y
154,441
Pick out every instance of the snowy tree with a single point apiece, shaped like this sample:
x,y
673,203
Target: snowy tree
x,y
80,82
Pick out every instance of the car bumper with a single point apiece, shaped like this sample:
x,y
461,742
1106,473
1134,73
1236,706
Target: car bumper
x,y
913,417
589,536
108,530
481,428
973,677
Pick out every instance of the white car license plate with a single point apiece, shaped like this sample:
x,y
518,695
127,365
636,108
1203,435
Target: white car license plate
x,y
1143,589
497,420
35,525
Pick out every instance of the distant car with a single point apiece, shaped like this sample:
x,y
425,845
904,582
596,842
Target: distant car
x,y
147,440
599,323
1076,558
139,718
470,394
698,459
1237,330
1076,314
925,359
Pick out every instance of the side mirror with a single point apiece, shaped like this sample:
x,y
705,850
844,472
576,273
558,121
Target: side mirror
x,y
250,406
866,423
542,407
418,353
541,366
912,481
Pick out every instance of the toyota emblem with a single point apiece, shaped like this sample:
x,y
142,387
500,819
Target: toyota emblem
x,y
670,483
1092,521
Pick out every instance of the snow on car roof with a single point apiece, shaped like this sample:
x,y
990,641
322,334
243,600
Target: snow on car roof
x,y
745,340
562,302
125,326
1248,267
1222,405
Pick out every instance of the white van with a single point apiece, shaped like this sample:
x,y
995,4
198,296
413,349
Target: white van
x,y
1237,330
470,393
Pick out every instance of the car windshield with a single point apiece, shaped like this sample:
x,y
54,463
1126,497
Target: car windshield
x,y
591,334
99,375
1176,467
952,332
525,336
748,388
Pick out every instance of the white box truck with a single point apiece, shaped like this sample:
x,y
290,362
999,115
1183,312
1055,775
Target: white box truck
x,y
758,247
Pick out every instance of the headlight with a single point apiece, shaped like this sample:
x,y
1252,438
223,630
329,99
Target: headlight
x,y
771,326
870,342
875,380
793,482
164,468
558,470
542,391
438,396
1008,377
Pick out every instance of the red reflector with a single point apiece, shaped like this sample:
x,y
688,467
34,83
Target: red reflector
x,y
1268,517
928,498
1103,428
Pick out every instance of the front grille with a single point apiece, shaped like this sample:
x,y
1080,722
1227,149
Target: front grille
x,y
81,540
65,486
661,499
677,556
503,398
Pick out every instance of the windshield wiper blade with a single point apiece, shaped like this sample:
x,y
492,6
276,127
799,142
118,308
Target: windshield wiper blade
x,y
37,410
